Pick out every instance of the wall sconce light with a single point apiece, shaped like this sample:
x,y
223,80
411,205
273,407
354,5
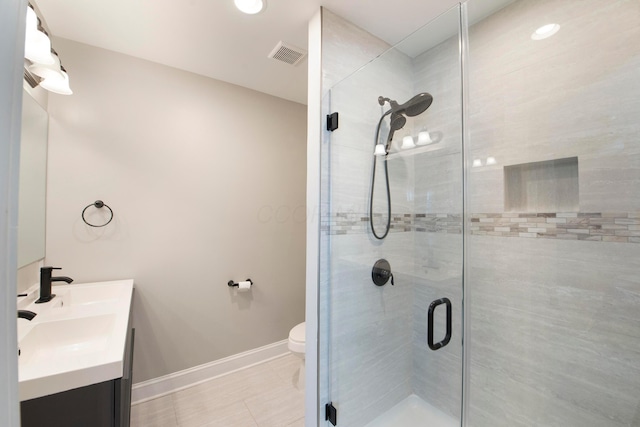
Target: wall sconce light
x,y
477,163
380,150
37,45
491,161
55,77
407,143
45,62
58,84
424,138
47,70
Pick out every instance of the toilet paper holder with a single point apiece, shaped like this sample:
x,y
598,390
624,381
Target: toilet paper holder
x,y
231,283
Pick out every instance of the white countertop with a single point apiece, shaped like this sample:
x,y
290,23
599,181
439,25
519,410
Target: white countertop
x,y
76,339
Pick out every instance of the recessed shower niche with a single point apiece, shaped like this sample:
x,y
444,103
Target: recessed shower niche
x,y
549,186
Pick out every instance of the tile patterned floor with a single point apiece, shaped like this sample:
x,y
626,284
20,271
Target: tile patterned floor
x,y
261,396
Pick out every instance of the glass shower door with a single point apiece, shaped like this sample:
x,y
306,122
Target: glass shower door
x,y
391,308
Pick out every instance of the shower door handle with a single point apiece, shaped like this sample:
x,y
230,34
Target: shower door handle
x,y
447,337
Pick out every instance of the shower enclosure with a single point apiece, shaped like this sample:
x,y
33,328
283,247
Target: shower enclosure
x,y
507,289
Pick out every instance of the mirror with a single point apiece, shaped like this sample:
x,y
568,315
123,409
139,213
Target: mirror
x,y
33,181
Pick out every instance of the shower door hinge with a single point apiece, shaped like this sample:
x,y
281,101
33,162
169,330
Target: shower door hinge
x,y
331,413
332,121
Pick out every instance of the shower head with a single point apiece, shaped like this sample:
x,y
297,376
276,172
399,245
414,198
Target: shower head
x,y
397,122
417,105
413,107
399,113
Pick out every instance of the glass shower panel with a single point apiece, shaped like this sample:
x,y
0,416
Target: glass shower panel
x,y
382,366
554,206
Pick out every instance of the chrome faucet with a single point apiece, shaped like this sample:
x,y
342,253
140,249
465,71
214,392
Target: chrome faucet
x,y
26,314
45,283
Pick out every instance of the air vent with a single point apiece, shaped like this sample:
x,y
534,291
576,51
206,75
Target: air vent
x,y
289,54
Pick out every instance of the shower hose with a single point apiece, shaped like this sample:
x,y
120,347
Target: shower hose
x,y
386,179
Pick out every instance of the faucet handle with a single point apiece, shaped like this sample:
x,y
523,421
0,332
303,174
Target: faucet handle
x,y
49,269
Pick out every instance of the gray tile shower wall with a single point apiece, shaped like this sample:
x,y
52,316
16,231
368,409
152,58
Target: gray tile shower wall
x,y
370,336
368,355
437,375
437,225
555,332
553,297
377,335
575,94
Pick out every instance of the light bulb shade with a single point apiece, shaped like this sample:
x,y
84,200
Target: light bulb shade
x,y
37,47
380,150
407,143
477,163
424,138
57,84
32,21
250,7
491,160
47,71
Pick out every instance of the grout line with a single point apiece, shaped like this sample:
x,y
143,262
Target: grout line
x,y
249,411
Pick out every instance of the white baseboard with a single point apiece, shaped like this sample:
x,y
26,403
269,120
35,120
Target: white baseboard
x,y
157,387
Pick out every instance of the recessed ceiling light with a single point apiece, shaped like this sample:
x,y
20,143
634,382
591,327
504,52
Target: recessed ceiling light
x,y
250,7
545,31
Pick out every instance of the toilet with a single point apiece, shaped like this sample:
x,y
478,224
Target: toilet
x,y
296,346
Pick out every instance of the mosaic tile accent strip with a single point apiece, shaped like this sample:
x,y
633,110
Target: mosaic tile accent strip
x,y
438,223
622,227
358,223
344,223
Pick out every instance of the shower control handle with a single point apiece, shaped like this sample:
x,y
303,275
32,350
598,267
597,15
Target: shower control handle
x,y
432,307
381,273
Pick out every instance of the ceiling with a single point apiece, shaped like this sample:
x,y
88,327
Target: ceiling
x,y
212,38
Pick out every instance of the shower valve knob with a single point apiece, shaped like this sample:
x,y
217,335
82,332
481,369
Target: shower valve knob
x,y
381,273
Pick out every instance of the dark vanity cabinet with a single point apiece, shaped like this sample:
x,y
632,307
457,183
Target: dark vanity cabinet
x,y
106,404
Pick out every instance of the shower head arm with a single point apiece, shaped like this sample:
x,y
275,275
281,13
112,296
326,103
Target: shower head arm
x,y
393,104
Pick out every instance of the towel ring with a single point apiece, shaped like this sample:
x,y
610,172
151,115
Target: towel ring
x,y
98,204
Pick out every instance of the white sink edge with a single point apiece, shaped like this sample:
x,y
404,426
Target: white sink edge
x,y
43,386
40,380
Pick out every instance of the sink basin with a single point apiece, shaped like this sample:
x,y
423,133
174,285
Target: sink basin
x,y
75,340
74,295
69,339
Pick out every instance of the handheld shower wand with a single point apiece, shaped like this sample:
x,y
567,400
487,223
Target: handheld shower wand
x,y
399,113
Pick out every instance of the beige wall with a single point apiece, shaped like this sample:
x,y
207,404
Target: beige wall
x,y
207,182
28,276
